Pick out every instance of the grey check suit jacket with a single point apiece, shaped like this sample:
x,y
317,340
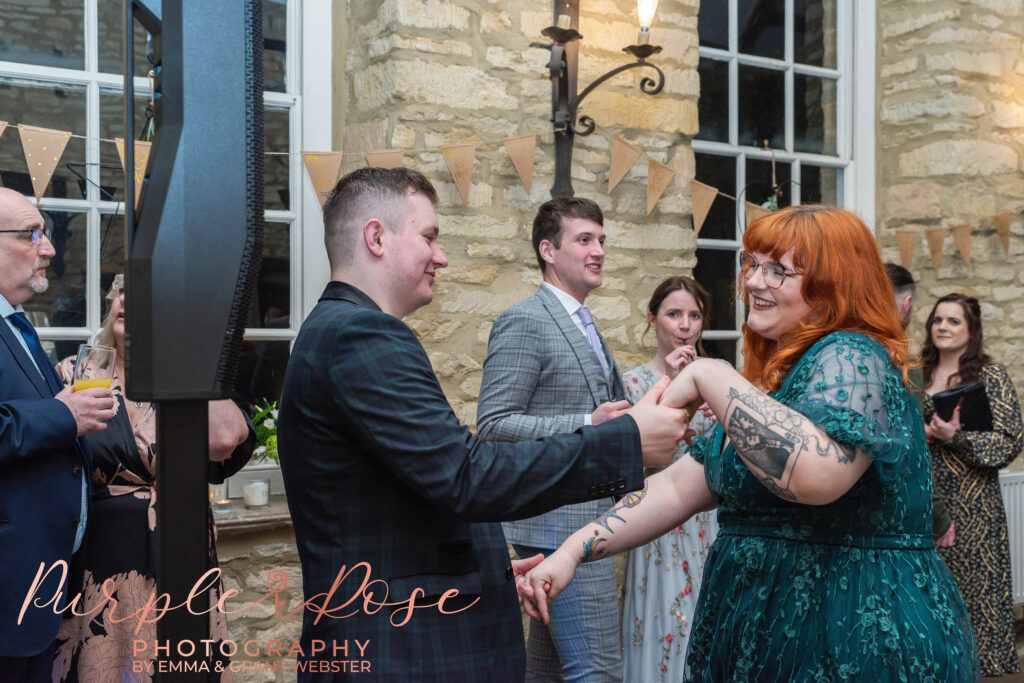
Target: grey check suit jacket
x,y
541,377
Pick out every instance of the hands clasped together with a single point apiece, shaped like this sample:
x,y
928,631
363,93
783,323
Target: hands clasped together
x,y
662,416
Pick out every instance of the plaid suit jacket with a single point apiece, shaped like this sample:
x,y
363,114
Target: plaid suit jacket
x,y
541,377
379,470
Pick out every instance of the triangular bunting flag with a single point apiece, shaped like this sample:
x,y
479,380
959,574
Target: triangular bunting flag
x,y
701,197
935,237
521,149
142,150
323,169
905,240
1002,222
3,125
754,212
659,176
43,148
385,158
624,155
962,237
460,163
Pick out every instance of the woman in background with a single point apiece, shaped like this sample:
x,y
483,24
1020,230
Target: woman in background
x,y
966,470
663,577
120,540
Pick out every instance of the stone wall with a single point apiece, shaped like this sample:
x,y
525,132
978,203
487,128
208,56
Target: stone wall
x,y
950,140
422,73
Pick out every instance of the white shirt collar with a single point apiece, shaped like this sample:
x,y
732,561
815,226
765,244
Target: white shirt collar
x,y
568,301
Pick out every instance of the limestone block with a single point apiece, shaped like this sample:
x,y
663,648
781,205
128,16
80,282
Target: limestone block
x,y
902,20
447,364
910,107
898,68
492,252
616,337
495,22
1006,8
483,331
478,225
654,235
465,412
905,84
480,194
386,44
473,303
608,307
949,35
481,275
987,63
530,61
621,262
531,23
420,82
1003,294
913,201
973,200
425,14
432,329
403,136
471,386
1007,115
958,157
617,110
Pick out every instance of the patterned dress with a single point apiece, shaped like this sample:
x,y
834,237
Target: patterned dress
x,y
967,477
851,590
120,545
663,578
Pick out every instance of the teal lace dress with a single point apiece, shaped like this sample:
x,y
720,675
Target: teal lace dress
x,y
853,590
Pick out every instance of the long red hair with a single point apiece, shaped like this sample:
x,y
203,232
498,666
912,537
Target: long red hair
x,y
844,283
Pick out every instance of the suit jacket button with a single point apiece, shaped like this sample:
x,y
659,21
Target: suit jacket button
x,y
508,573
621,482
76,471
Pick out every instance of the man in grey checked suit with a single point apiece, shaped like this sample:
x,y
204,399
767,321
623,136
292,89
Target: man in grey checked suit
x,y
549,371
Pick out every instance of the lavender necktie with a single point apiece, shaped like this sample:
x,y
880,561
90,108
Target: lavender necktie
x,y
595,342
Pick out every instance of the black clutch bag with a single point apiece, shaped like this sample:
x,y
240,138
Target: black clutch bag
x,y
975,412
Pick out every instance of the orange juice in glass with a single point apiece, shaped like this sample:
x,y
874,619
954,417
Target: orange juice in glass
x,y
94,367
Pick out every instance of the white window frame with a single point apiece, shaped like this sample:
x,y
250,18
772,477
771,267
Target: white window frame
x,y
855,118
308,97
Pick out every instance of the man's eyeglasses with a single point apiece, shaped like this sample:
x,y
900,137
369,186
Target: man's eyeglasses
x,y
774,273
37,233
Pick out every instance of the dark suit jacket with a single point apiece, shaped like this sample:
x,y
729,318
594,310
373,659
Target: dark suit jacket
x,y
41,465
378,469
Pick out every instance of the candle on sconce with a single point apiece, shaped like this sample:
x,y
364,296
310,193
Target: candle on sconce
x,y
563,21
257,493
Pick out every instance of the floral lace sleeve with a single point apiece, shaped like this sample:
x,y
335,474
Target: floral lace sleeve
x,y
849,388
999,447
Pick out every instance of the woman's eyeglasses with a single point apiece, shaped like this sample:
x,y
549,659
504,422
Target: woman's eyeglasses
x,y
774,273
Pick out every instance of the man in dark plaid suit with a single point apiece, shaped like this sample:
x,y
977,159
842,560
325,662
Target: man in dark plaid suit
x,y
393,501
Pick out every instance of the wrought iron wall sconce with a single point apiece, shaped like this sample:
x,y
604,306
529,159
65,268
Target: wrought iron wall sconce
x,y
563,68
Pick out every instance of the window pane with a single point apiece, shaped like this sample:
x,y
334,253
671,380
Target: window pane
x,y
814,114
719,172
275,31
261,367
716,271
814,32
713,24
110,15
762,108
112,126
59,108
63,303
276,166
44,32
762,26
819,185
273,291
720,348
759,182
713,105
111,251
59,349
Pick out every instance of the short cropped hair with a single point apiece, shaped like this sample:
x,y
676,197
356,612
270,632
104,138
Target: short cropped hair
x,y
365,194
547,225
900,278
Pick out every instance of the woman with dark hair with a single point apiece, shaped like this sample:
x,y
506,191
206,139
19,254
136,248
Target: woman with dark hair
x,y
824,567
663,577
966,470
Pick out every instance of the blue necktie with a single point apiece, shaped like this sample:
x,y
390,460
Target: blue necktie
x,y
595,342
28,333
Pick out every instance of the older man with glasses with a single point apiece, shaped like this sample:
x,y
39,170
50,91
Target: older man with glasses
x,y
44,466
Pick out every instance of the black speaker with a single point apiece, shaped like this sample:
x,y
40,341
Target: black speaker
x,y
196,240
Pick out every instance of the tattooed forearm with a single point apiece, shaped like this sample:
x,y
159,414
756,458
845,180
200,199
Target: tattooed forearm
x,y
841,452
630,500
594,548
770,484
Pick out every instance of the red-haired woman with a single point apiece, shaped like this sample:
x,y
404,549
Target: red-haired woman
x,y
824,567
966,465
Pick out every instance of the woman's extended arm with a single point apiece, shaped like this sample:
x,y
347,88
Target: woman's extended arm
x,y
786,451
668,499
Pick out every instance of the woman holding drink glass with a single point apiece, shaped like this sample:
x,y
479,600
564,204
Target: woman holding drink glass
x,y
120,539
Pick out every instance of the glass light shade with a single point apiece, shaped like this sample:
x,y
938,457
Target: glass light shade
x,y
645,10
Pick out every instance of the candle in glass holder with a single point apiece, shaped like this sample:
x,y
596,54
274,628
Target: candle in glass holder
x,y
257,493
